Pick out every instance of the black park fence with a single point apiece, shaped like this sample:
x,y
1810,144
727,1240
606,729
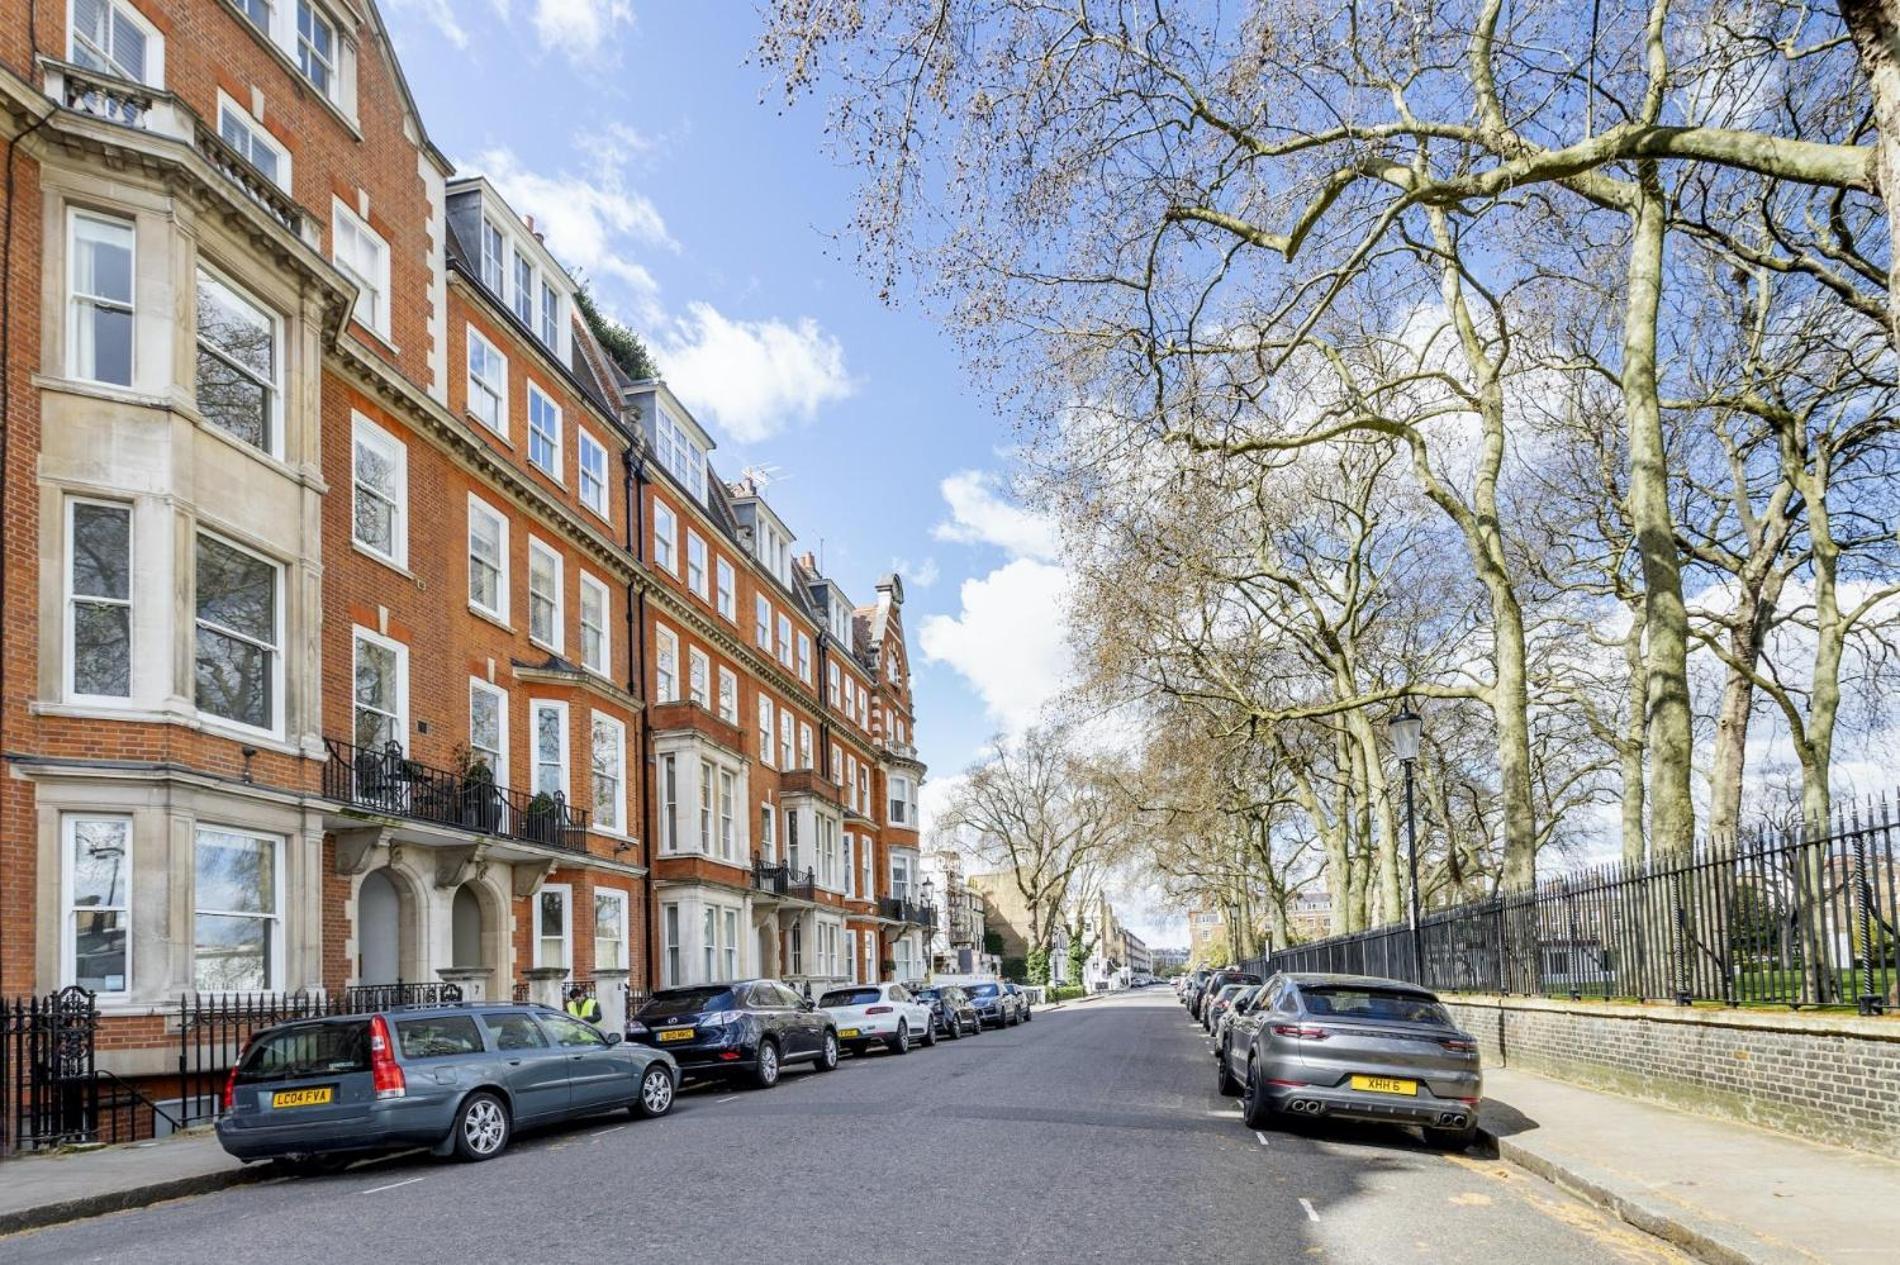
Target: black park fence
x,y
1790,918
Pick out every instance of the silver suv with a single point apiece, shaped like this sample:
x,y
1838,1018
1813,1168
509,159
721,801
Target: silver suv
x,y
456,1079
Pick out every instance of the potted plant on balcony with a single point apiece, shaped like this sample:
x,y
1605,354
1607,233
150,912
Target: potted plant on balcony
x,y
544,818
479,801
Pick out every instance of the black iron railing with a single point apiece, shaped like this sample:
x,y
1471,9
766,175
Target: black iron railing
x,y
384,780
1803,918
903,909
769,878
802,886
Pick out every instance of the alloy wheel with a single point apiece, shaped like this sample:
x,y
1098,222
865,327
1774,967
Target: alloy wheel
x,y
484,1127
656,1091
768,1063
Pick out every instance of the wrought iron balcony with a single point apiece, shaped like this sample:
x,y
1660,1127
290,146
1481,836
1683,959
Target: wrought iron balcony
x,y
383,780
901,909
781,880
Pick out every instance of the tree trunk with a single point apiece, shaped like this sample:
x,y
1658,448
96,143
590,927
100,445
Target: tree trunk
x,y
1665,619
1747,635
1631,749
1875,27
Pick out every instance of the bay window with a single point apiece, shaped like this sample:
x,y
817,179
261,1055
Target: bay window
x,y
100,329
238,668
97,936
99,599
238,388
236,896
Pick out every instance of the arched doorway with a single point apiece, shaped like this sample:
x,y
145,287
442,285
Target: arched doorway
x,y
378,930
467,950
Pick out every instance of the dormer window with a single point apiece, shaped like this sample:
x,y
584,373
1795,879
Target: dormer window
x,y
550,315
493,260
682,457
522,300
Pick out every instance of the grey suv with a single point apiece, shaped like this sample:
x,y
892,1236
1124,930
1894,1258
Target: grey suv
x,y
456,1079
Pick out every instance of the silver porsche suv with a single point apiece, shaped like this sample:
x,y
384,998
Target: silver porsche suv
x,y
1354,1048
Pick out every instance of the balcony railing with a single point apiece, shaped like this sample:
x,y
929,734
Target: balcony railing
x,y
781,880
383,780
900,909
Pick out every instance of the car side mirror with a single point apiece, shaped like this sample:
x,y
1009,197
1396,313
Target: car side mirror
x,y
807,1005
614,1038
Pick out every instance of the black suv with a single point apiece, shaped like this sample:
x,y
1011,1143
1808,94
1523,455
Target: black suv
x,y
747,1028
950,1009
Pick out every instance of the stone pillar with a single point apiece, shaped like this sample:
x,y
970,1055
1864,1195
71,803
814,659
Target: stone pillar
x,y
610,990
474,981
544,985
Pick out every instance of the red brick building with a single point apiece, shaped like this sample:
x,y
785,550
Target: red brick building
x,y
365,623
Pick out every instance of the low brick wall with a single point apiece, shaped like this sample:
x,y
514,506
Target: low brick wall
x,y
1831,1078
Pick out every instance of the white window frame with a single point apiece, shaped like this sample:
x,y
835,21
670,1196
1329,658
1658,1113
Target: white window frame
x,y
591,448
613,896
535,707
566,892
333,92
619,823
804,745
696,544
375,288
592,586
831,683
274,921
728,695
520,295
279,704
672,952
478,507
556,640
785,639
699,677
476,685
765,730
492,257
365,431
708,806
732,927
666,665
787,751
768,833
273,444
68,931
553,466
360,634
154,44
498,390
76,301
669,779
550,314
726,803
256,134
666,532
837,765
73,601
804,658
725,588
762,622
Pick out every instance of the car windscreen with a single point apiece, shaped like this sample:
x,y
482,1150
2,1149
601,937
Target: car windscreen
x,y
980,991
1239,977
317,1049
850,997
1384,1005
679,1001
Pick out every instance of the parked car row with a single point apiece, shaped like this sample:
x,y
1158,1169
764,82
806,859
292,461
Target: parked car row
x,y
460,1078
1345,1047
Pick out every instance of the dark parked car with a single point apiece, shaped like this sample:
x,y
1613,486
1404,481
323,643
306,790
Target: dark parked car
x,y
457,1079
1023,1006
1217,1004
950,1009
1358,1049
749,1028
995,1008
1217,981
1236,1010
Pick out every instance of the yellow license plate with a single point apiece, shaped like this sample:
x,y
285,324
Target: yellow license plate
x,y
1384,1085
302,1097
848,1033
677,1034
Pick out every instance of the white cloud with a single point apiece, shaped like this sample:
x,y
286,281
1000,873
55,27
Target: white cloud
x,y
979,516
441,15
755,377
582,30
1009,640
918,575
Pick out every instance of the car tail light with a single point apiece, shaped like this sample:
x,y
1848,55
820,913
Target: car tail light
x,y
879,1010
1304,1031
1458,1045
230,1088
385,1072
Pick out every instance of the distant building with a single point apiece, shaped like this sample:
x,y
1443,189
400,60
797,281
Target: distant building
x,y
1207,938
1309,916
1136,959
1167,960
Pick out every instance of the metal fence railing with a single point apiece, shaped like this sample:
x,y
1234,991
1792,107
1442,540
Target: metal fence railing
x,y
1798,918
384,780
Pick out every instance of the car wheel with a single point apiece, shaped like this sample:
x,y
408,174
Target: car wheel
x,y
1452,1139
930,1033
954,1027
481,1127
656,1093
1224,1077
1029,1012
900,1044
828,1054
1255,1109
765,1075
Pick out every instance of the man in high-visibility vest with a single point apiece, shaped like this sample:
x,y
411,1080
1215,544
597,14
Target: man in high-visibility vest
x,y
583,1007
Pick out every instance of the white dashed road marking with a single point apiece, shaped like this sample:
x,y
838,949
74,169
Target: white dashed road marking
x,y
1262,1138
1310,1214
377,1190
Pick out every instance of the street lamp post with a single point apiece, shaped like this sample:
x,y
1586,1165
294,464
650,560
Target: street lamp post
x,y
1407,728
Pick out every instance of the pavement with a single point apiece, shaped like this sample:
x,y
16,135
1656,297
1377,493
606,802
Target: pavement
x,y
1730,1194
1091,1134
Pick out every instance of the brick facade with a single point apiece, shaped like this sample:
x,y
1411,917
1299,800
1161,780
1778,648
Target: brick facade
x,y
437,507
1831,1078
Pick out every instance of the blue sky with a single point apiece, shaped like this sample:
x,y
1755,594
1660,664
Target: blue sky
x,y
662,166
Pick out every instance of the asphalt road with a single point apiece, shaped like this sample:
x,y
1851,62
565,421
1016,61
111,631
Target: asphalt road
x,y
1092,1134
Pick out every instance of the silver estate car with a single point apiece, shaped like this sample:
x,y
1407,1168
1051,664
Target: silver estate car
x,y
457,1079
1357,1049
